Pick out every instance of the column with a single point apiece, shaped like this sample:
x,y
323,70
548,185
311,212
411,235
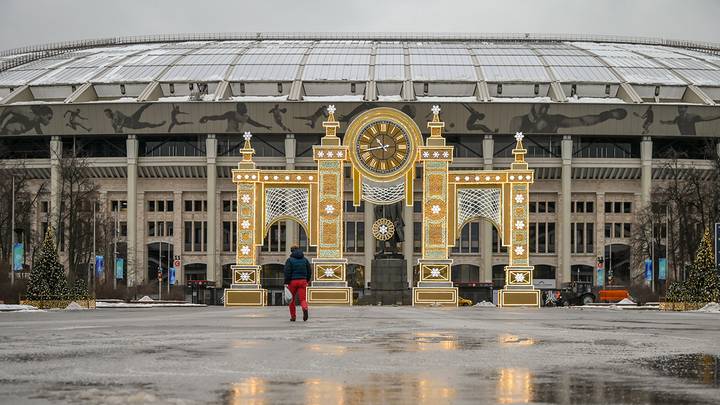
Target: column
x,y
132,155
292,228
178,230
211,215
369,218
646,171
55,192
488,150
408,243
564,218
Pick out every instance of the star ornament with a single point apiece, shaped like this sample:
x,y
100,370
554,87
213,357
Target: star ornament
x,y
245,224
245,276
435,209
519,277
245,250
329,209
519,136
435,272
382,229
331,109
247,135
245,198
329,273
519,198
519,250
519,225
435,109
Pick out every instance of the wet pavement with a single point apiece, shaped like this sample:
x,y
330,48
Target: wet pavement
x,y
359,355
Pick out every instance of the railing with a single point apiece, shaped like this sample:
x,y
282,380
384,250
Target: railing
x,y
29,53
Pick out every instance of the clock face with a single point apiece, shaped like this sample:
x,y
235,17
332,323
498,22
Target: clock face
x,y
383,147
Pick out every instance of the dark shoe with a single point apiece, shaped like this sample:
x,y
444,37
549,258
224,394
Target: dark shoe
x,y
292,319
305,315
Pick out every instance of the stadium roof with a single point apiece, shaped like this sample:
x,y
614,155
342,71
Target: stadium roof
x,y
381,67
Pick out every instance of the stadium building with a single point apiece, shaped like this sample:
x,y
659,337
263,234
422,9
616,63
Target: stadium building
x,y
159,122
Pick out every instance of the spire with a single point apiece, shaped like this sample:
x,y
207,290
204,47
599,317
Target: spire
x,y
436,126
519,151
247,152
331,126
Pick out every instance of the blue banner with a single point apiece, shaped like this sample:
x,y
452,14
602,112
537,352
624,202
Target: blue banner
x,y
648,270
171,275
119,267
99,266
662,268
18,256
600,277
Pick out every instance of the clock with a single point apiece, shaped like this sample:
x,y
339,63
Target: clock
x,y
383,143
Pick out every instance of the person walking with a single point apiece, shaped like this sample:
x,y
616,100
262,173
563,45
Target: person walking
x,y
298,271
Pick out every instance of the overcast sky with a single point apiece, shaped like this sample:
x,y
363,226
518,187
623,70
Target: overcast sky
x,y
26,22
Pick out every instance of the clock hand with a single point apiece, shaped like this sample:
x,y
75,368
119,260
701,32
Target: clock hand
x,y
375,148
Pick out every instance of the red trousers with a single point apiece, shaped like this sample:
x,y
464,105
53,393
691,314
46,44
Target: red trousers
x,y
297,287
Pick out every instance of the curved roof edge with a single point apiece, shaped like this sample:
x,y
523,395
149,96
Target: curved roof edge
x,y
388,36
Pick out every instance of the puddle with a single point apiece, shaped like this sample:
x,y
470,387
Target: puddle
x,y
426,341
698,368
513,340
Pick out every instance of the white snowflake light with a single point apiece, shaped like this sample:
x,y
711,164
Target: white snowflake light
x,y
519,136
330,154
339,153
519,224
435,209
519,198
245,276
331,109
245,224
426,154
446,154
519,277
245,198
382,229
436,154
247,135
519,250
435,272
321,154
329,209
435,109
329,273
245,250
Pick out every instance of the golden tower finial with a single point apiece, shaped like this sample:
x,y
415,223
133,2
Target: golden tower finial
x,y
519,151
247,152
331,126
436,126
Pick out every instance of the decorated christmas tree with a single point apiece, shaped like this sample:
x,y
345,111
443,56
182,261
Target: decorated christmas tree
x,y
47,277
703,280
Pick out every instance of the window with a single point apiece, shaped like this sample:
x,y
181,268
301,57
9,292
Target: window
x,y
229,205
195,236
118,205
541,207
417,237
469,239
618,207
582,237
187,236
229,236
618,230
542,237
608,231
160,206
349,207
497,244
188,206
275,239
151,206
354,237
169,205
626,230
551,206
417,206
627,207
45,207
151,228
195,205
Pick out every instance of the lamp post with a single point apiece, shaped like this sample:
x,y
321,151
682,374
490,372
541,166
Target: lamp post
x,y
12,232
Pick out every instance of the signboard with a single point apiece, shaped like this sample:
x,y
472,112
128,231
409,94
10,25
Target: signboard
x,y
171,275
99,266
18,256
177,263
648,270
119,268
662,268
544,284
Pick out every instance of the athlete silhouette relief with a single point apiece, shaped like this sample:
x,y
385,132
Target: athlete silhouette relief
x,y
277,113
538,120
174,117
473,121
13,122
120,121
72,120
314,117
686,121
236,120
649,117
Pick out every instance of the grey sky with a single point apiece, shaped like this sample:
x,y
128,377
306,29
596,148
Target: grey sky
x,y
25,22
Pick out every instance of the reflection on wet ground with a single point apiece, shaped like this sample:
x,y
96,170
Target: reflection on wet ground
x,y
426,341
697,368
505,386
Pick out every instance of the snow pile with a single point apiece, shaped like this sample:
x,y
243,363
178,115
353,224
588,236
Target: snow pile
x,y
17,308
102,304
712,307
74,306
484,304
146,299
626,301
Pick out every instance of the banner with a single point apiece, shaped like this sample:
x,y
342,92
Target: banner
x,y
648,270
119,268
662,268
171,275
18,256
600,277
99,266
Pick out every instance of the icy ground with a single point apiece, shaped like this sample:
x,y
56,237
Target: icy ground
x,y
359,355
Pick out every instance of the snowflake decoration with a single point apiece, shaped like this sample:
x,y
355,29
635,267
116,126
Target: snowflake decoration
x,y
519,136
321,154
519,250
329,273
435,272
382,229
519,198
435,109
331,109
426,154
519,277
329,154
247,135
519,224
435,209
245,250
446,154
436,154
338,153
329,209
245,198
245,224
245,276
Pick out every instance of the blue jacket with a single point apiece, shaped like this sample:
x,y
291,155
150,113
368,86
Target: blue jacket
x,y
297,267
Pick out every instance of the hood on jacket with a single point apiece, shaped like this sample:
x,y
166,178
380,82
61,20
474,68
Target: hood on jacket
x,y
297,253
